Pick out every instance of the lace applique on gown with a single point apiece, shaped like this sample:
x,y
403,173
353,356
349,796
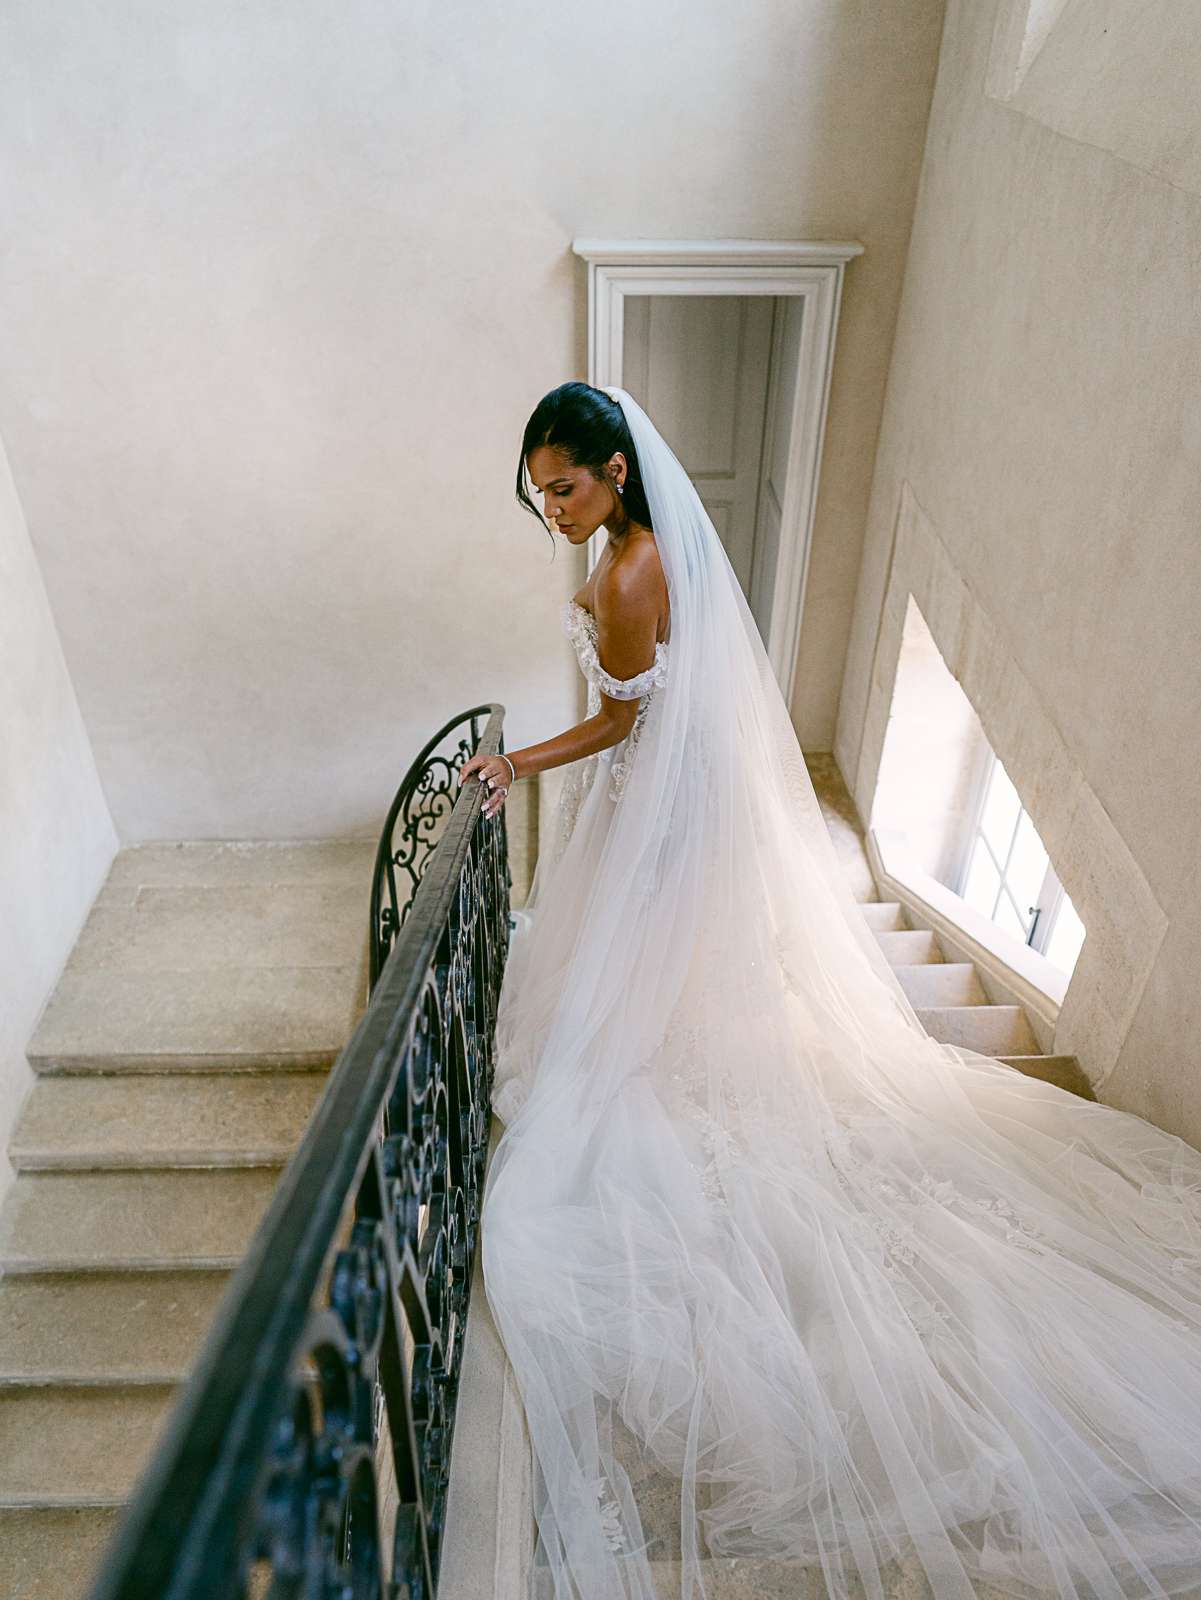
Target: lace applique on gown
x,y
580,627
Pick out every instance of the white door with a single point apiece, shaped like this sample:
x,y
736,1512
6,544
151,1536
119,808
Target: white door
x,y
701,366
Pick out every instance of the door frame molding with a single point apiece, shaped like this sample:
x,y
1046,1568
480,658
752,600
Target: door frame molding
x,y
812,269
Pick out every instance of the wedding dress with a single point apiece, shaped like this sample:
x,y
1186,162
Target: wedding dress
x,y
881,1312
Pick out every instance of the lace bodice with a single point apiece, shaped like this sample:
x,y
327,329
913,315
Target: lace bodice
x,y
580,626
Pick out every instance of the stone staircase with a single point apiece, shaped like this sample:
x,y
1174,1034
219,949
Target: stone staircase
x,y
948,995
177,1064
953,1006
177,1061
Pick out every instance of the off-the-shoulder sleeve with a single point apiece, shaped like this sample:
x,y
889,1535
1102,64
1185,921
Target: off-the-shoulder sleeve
x,y
581,630
630,688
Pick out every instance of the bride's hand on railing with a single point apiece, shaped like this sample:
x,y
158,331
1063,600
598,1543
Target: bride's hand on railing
x,y
495,773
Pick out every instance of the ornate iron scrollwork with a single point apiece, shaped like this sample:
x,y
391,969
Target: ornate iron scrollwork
x,y
414,824
308,1455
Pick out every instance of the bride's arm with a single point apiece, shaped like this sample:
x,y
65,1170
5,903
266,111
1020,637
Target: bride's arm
x,y
627,619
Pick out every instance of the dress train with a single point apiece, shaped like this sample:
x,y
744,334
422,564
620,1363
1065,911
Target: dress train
x,y
784,1281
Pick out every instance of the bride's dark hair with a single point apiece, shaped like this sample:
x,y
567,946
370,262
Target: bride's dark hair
x,y
588,426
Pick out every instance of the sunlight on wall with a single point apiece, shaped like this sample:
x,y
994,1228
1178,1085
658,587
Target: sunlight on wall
x,y
942,786
932,751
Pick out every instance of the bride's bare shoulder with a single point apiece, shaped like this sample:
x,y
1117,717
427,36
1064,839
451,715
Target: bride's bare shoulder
x,y
634,579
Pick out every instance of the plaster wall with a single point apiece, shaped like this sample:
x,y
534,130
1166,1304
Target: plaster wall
x,y
56,837
1041,408
279,290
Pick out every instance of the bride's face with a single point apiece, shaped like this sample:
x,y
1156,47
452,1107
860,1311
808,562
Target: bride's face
x,y
574,502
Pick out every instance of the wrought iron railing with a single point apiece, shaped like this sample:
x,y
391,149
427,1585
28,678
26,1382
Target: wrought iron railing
x,y
414,824
308,1454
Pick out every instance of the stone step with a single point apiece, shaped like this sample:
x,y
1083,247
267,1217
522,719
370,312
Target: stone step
x,y
207,1021
102,1327
77,1446
658,1497
52,1554
266,862
754,1578
219,928
214,955
946,983
657,1493
884,915
201,1120
910,947
241,968
122,1221
1063,1071
990,1030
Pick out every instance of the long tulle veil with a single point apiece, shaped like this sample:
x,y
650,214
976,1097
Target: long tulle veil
x,y
865,1302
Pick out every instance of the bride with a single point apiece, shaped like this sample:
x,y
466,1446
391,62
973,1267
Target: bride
x,y
780,1276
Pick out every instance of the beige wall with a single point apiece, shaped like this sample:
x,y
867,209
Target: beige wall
x,y
1042,408
56,837
280,287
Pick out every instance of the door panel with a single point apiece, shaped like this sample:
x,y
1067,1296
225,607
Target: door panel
x,y
699,366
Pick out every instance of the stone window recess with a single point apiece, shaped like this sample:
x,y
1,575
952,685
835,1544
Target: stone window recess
x,y
1006,873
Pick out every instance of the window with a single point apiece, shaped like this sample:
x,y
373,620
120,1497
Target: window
x,y
1008,877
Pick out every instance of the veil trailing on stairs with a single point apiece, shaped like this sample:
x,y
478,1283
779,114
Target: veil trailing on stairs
x,y
779,1275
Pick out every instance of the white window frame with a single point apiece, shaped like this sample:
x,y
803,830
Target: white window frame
x,y
1038,920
